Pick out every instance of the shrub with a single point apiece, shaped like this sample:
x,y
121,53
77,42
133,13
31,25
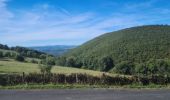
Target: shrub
x,y
34,61
125,67
45,68
19,58
1,54
7,54
49,61
70,62
141,69
106,63
61,61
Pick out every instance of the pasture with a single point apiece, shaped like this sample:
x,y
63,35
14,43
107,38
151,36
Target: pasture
x,y
12,66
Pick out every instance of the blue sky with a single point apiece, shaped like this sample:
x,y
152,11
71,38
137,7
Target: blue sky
x,y
73,22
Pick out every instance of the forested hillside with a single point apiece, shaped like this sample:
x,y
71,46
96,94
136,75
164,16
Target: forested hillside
x,y
12,51
143,49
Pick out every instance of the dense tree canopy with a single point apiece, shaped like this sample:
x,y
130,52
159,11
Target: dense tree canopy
x,y
1,54
26,52
125,67
138,45
106,63
19,58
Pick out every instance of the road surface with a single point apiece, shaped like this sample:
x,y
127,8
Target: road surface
x,y
85,94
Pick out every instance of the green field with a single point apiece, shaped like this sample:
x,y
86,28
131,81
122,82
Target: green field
x,y
12,66
9,66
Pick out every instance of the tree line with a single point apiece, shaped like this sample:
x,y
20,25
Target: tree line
x,y
26,52
105,64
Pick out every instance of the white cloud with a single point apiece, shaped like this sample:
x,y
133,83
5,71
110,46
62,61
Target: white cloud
x,y
41,23
45,23
5,14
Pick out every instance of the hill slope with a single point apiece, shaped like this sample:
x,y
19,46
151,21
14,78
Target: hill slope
x,y
12,51
136,44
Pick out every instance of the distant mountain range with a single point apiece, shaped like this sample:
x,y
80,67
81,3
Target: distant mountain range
x,y
55,50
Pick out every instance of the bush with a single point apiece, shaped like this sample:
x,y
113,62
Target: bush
x,y
34,61
125,67
49,61
45,69
106,63
1,54
71,62
42,56
61,61
141,69
7,54
19,58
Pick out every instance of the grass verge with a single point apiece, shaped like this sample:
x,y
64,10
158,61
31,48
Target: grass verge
x,y
79,86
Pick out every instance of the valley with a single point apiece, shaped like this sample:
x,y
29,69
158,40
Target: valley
x,y
132,57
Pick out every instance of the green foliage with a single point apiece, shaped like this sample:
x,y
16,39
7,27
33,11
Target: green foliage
x,y
1,54
34,61
159,66
47,64
45,68
4,47
125,67
50,60
19,58
106,63
7,54
138,45
71,62
13,55
27,52
141,69
22,51
42,56
61,61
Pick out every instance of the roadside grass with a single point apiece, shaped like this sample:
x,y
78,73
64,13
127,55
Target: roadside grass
x,y
150,86
11,66
82,86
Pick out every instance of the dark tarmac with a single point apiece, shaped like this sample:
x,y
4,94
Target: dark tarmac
x,y
85,94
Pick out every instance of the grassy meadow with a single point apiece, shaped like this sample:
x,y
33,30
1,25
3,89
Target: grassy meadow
x,y
12,66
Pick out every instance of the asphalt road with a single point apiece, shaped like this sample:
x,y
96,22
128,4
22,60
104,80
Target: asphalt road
x,y
85,94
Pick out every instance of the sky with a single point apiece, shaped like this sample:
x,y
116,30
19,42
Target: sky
x,y
73,22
